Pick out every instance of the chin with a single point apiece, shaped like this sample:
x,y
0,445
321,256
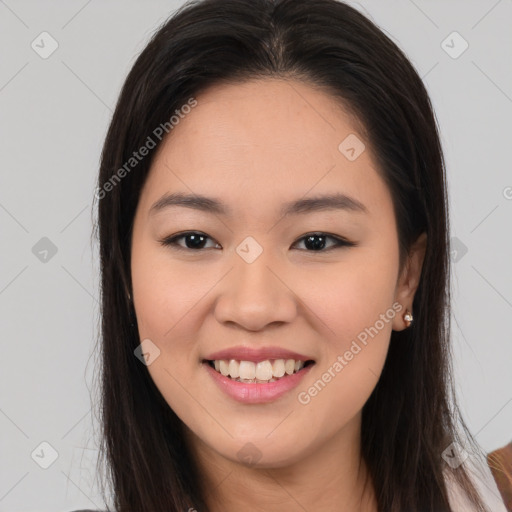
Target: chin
x,y
261,453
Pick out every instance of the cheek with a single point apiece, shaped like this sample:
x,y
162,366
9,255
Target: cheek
x,y
352,295
167,303
354,303
167,299
165,292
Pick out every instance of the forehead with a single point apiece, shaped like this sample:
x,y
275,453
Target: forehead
x,y
264,142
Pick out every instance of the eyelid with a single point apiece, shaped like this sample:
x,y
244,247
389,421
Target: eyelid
x,y
340,241
170,241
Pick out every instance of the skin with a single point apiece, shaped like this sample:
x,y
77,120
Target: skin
x,y
255,146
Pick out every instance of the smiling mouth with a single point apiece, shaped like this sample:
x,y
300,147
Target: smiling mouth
x,y
262,372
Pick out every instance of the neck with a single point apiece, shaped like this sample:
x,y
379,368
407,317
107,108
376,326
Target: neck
x,y
331,477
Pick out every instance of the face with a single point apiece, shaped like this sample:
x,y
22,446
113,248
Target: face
x,y
320,283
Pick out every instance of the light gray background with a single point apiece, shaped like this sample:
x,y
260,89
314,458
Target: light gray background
x,y
54,116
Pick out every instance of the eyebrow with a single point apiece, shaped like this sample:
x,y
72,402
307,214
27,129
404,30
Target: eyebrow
x,y
300,206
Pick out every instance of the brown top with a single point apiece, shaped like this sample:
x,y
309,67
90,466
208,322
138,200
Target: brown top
x,y
500,463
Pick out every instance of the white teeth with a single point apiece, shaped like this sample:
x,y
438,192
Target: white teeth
x,y
247,370
278,368
263,371
224,368
234,369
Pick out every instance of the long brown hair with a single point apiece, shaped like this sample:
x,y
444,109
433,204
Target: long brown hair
x,y
411,416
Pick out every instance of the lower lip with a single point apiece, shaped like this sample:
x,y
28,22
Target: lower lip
x,y
257,393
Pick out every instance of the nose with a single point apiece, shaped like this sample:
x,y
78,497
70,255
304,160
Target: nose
x,y
255,295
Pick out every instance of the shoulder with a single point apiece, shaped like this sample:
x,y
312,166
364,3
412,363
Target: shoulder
x,y
485,484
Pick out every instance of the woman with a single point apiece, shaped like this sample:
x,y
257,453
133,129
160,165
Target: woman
x,y
274,249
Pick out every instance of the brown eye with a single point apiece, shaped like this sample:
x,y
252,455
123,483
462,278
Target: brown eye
x,y
316,242
194,240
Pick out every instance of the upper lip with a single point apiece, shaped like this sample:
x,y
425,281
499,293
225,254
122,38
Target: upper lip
x,y
256,354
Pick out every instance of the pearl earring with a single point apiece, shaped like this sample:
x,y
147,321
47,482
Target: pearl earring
x,y
408,318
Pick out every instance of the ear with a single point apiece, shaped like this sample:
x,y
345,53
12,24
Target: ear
x,y
409,280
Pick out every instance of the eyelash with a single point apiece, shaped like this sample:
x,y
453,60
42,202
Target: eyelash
x,y
172,241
